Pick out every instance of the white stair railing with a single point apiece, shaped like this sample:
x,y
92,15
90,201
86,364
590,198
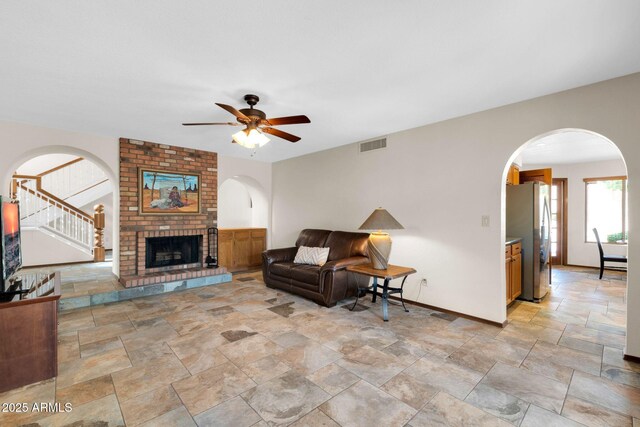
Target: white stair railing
x,y
41,210
72,178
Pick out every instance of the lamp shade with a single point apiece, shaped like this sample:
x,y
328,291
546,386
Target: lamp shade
x,y
250,138
380,219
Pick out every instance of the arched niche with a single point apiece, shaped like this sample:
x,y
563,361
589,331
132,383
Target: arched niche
x,y
242,202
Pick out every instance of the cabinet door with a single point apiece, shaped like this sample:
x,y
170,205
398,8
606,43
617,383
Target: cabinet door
x,y
516,276
225,248
542,175
507,267
241,248
258,245
515,175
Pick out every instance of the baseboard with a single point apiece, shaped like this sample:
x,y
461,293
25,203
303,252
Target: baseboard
x,y
609,267
444,310
630,358
582,266
60,264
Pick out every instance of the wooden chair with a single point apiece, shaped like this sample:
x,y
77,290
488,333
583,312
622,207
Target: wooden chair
x,y
603,257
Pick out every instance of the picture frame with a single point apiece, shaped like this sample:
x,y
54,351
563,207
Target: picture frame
x,y
162,192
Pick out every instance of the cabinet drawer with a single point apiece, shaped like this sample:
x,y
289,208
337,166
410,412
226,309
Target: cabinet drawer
x,y
516,248
507,251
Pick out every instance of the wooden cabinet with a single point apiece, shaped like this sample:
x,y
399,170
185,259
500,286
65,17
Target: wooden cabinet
x,y
513,270
507,268
241,248
258,245
513,175
29,333
541,175
225,248
516,274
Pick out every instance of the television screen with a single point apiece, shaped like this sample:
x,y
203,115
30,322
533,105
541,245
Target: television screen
x,y
10,227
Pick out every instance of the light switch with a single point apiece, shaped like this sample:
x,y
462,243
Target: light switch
x,y
485,220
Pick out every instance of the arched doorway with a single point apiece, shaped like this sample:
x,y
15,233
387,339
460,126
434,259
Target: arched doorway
x,y
81,180
593,172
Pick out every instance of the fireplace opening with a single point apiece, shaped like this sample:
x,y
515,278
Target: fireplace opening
x,y
174,250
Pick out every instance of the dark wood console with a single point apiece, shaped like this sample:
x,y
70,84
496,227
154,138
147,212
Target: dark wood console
x,y
28,331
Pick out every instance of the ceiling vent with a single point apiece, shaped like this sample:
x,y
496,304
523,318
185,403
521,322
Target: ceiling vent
x,y
376,144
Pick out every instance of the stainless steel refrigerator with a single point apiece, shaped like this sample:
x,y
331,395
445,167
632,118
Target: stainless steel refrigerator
x,y
529,217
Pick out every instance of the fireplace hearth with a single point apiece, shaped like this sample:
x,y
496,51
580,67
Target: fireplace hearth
x,y
172,251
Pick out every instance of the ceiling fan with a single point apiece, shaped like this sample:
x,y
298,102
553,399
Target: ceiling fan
x,y
256,124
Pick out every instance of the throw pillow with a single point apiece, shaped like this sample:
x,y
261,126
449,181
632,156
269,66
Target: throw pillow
x,y
313,256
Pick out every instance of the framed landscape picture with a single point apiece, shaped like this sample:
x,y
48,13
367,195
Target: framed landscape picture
x,y
168,193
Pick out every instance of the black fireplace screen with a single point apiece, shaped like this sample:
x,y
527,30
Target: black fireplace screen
x,y
174,250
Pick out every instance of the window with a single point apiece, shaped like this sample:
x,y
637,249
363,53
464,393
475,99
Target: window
x,y
606,209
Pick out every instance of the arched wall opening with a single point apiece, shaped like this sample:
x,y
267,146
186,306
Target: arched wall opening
x,y
242,202
598,157
30,159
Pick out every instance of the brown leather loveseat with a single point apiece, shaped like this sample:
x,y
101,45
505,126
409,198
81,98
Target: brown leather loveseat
x,y
325,285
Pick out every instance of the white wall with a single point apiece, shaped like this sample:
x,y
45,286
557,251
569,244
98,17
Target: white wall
x,y
579,252
256,177
234,205
39,248
438,180
21,142
230,167
40,164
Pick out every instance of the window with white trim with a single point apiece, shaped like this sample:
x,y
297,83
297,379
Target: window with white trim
x,y
606,209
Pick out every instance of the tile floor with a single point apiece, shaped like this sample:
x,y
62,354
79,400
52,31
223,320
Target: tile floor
x,y
83,279
240,354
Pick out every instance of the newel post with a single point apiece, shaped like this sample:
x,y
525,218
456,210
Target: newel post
x,y
98,226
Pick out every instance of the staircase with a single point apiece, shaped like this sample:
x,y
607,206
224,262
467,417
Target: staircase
x,y
49,202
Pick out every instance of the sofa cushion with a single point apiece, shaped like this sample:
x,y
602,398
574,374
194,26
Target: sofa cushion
x,y
312,237
282,268
344,244
306,273
307,287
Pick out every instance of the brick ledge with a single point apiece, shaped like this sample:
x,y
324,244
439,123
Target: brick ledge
x,y
170,276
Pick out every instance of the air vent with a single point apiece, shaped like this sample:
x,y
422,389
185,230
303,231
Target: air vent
x,y
376,144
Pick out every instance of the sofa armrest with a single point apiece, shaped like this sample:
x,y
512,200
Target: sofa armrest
x,y
341,264
279,255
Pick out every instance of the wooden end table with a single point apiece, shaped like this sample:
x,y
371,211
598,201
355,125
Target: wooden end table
x,y
392,272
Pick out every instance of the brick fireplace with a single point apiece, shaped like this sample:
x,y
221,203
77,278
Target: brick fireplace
x,y
136,227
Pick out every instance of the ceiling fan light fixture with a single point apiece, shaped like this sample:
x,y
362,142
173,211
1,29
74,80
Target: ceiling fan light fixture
x,y
257,124
250,138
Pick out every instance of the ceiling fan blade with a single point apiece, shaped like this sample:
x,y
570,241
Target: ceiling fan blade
x,y
235,112
290,120
207,124
281,134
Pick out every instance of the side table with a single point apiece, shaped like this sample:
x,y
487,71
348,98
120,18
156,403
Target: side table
x,y
392,272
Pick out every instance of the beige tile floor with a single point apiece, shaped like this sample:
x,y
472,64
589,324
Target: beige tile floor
x,y
240,354
83,279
